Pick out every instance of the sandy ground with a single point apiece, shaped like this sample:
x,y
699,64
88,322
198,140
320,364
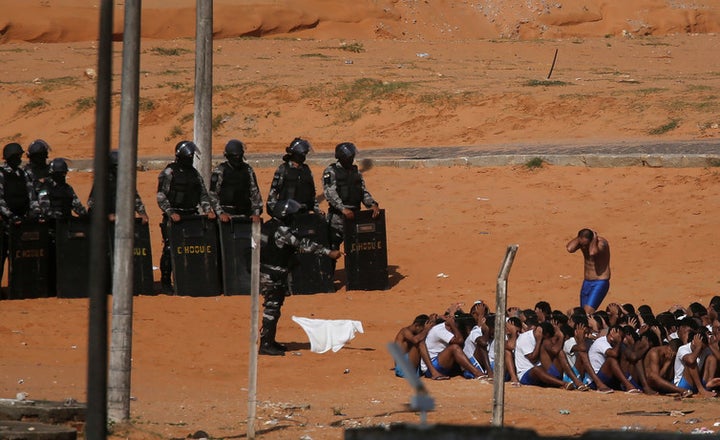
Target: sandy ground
x,y
420,75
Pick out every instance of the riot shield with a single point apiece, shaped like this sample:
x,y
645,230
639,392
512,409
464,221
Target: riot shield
x,y
142,258
312,273
194,255
72,257
366,263
236,247
29,265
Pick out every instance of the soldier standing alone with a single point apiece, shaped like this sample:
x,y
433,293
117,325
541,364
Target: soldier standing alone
x,y
181,192
278,245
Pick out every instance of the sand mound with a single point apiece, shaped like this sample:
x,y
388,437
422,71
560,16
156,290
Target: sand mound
x,y
73,20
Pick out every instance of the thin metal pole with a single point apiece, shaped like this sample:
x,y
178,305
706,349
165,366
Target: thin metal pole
x,y
122,305
254,321
96,426
500,312
203,87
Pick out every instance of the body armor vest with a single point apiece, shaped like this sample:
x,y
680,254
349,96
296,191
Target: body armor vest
x,y
16,192
349,185
185,188
299,186
235,190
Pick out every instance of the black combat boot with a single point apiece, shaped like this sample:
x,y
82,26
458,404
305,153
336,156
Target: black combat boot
x,y
267,339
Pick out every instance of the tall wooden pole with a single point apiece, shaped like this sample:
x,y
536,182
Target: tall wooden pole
x,y
203,87
96,426
500,312
122,305
254,323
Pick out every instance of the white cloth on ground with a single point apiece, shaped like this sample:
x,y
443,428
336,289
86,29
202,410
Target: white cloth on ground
x,y
328,334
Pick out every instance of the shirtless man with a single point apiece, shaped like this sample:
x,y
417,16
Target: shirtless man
x,y
596,253
411,340
658,364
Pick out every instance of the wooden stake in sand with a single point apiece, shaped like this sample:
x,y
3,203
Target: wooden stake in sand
x,y
552,66
254,320
501,307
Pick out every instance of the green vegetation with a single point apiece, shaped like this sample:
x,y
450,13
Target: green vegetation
x,y
55,83
669,126
176,132
352,47
82,104
367,88
545,83
220,120
535,162
146,105
176,85
187,117
171,52
35,104
314,55
649,91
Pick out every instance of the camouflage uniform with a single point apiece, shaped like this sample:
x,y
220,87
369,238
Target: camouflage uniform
x,y
180,191
112,197
278,245
234,190
293,181
343,189
58,200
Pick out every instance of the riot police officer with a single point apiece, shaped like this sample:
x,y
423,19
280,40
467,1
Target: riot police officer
x,y
277,248
181,192
233,186
111,194
57,198
344,189
293,178
18,200
38,167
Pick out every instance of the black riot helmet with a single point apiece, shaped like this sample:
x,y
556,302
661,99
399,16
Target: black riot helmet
x,y
234,147
11,150
58,166
297,150
345,153
185,151
234,152
38,151
283,209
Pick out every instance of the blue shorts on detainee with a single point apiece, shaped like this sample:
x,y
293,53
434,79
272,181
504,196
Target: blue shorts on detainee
x,y
593,292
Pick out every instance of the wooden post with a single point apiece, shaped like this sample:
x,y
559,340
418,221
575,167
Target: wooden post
x,y
500,312
254,329
97,361
122,304
203,87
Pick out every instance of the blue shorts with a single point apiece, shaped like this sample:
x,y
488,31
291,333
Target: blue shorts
x,y
399,372
527,378
441,370
593,292
476,364
688,386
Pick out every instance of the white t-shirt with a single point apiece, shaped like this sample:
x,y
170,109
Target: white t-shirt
x,y
597,351
569,354
679,366
525,345
491,351
438,339
471,341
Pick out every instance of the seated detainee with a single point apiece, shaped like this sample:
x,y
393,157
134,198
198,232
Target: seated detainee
x,y
634,349
604,357
476,342
659,362
554,361
411,340
528,351
444,343
689,363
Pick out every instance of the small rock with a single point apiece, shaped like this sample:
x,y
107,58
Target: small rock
x,y
90,73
